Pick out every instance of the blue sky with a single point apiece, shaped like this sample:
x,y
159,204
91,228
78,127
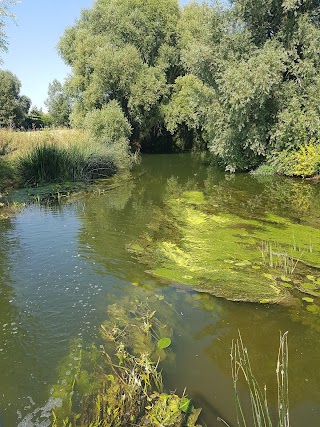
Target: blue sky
x,y
32,54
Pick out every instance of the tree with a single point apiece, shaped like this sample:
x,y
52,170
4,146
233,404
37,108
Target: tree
x,y
13,107
37,119
58,104
123,50
4,13
261,58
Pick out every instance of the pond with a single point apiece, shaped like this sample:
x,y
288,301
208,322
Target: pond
x,y
61,267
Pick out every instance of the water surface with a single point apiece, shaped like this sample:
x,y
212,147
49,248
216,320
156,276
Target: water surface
x,y
60,267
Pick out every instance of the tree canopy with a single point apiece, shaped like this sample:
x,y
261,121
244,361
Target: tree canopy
x,y
241,80
5,13
58,104
14,107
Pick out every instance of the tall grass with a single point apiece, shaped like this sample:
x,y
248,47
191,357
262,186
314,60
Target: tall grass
x,y
260,415
48,163
15,142
60,155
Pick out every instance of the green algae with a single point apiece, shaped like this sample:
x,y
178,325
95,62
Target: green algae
x,y
241,259
194,197
309,286
314,309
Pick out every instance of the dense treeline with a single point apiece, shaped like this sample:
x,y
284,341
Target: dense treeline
x,y
241,80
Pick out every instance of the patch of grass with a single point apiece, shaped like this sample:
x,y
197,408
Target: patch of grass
x,y
50,163
7,173
59,155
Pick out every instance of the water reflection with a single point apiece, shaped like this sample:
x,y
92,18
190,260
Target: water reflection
x,y
62,267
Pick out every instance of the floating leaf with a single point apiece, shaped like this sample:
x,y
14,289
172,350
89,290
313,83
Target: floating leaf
x,y
285,279
311,286
307,299
186,405
286,285
164,343
264,301
311,278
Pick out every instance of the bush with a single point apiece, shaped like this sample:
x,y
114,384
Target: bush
x,y
110,128
108,125
303,162
264,170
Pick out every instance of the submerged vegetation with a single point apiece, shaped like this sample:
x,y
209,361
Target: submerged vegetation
x,y
121,385
193,241
124,389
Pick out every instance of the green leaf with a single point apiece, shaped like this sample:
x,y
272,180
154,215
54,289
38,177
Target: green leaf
x,y
164,343
307,299
186,405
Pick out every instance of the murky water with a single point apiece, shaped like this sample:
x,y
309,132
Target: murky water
x,y
60,267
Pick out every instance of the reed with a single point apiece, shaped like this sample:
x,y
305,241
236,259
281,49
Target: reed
x,y
275,256
260,414
48,163
17,142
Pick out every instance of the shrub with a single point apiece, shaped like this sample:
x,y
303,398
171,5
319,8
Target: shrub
x,y
263,170
303,162
110,128
108,125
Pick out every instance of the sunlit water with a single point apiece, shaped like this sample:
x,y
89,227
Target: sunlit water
x,y
60,267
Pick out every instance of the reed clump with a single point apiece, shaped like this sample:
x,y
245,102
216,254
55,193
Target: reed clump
x,y
61,155
48,163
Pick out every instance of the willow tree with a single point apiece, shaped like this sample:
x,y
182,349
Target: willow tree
x,y
123,50
261,60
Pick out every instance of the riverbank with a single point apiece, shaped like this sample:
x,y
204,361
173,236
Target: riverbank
x,y
54,163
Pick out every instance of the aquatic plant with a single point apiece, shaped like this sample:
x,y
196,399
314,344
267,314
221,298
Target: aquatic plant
x,y
276,256
260,414
127,390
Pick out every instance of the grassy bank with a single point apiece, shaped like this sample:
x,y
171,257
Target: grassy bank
x,y
32,159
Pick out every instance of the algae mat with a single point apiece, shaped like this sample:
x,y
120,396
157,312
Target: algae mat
x,y
191,241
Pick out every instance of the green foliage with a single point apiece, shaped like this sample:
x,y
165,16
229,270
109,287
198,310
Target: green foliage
x,y
109,127
188,104
37,119
58,104
243,80
123,51
164,343
49,163
13,107
7,173
304,161
5,13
